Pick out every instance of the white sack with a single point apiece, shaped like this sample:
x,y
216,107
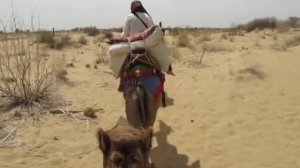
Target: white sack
x,y
124,48
149,42
116,62
154,38
154,44
161,53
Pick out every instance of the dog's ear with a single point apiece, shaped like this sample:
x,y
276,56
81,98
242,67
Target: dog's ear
x,y
147,139
104,141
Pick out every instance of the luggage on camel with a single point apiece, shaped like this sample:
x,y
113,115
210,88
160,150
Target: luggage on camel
x,y
152,41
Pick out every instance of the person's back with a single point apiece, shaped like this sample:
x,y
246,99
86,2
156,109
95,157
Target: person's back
x,y
134,24
137,21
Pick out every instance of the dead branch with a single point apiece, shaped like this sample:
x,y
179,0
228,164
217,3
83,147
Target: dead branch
x,y
78,153
12,145
38,146
12,132
78,119
202,55
58,111
39,156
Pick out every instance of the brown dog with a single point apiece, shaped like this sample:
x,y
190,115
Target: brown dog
x,y
125,147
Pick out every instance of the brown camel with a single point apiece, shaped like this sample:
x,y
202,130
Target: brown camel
x,y
125,147
128,145
141,105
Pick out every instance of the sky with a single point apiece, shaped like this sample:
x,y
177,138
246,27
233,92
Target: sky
x,y
67,14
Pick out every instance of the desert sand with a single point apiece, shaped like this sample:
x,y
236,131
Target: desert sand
x,y
239,108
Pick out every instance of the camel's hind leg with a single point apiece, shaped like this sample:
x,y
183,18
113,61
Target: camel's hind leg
x,y
141,107
153,106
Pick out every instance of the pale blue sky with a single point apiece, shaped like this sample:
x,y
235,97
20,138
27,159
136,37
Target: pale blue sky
x,y
65,14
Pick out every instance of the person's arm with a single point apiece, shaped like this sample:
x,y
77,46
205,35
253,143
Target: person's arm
x,y
126,29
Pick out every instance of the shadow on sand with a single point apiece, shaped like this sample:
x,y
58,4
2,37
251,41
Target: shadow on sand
x,y
169,101
165,155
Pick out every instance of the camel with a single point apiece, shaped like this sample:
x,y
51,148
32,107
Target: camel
x,y
125,146
128,145
142,95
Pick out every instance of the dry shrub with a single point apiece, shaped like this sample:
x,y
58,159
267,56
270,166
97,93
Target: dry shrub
x,y
280,47
60,72
45,37
175,53
174,31
233,33
76,29
7,79
90,112
257,42
283,26
212,47
231,38
107,34
61,42
240,33
275,36
183,40
293,21
26,78
293,41
261,23
91,31
87,65
82,40
283,29
101,56
61,75
54,43
224,36
205,37
99,39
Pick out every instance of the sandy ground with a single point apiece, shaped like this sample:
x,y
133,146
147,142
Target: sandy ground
x,y
220,114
